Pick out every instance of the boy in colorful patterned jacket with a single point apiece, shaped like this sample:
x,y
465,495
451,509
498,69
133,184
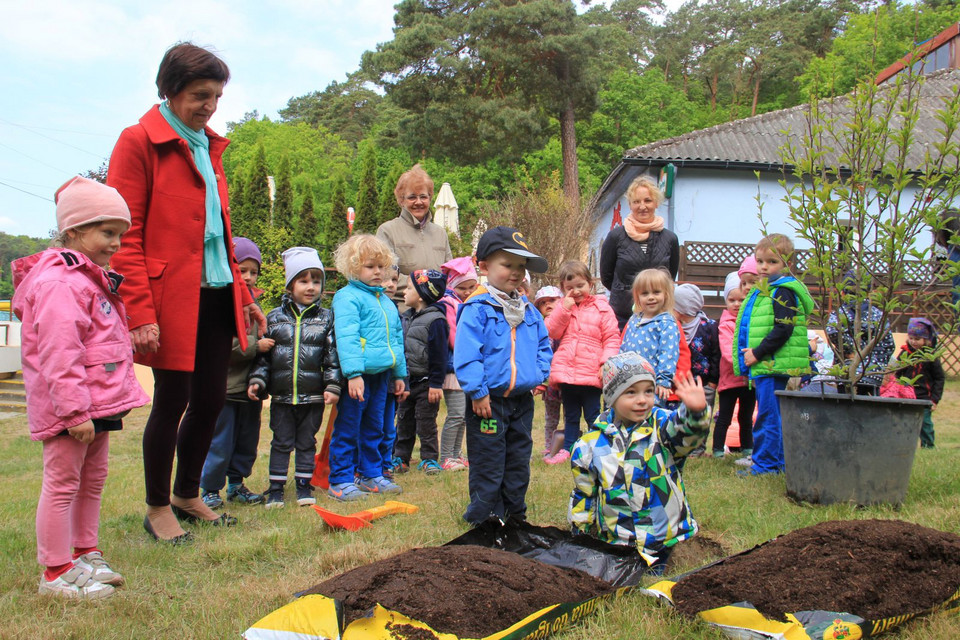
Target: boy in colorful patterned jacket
x,y
627,489
770,341
502,353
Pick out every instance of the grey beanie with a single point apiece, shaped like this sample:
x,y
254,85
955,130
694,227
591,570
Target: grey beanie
x,y
688,299
623,370
297,259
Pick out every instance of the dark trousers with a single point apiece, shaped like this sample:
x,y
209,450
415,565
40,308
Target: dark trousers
x,y
578,400
233,449
417,417
186,404
926,429
728,400
359,428
500,448
294,428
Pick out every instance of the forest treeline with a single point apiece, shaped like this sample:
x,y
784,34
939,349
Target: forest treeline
x,y
496,96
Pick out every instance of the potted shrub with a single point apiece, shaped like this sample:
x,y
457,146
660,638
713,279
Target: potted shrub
x,y
867,178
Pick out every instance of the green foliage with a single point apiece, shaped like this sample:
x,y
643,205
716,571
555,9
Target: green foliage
x,y
350,108
11,248
283,202
367,209
309,231
337,229
858,201
272,241
872,41
253,216
388,200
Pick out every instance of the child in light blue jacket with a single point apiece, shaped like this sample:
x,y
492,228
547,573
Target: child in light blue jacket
x,y
370,346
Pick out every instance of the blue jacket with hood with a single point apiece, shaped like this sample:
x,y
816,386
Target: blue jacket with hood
x,y
491,357
368,333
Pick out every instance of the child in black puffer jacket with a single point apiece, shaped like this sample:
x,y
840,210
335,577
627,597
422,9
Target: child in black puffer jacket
x,y
301,373
925,371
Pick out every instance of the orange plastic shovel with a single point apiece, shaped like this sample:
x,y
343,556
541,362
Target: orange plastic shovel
x,y
362,519
321,462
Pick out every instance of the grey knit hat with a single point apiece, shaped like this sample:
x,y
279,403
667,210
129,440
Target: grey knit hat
x,y
688,299
622,371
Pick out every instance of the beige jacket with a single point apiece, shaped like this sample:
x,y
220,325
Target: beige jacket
x,y
417,245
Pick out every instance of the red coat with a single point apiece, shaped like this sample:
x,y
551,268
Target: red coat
x,y
161,256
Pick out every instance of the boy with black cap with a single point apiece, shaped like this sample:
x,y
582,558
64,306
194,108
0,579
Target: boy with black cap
x,y
502,353
425,343
627,489
301,373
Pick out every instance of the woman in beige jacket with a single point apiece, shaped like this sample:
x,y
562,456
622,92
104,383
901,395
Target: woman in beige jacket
x,y
418,242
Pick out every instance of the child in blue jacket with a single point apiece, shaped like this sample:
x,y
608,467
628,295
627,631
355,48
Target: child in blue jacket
x,y
370,346
502,353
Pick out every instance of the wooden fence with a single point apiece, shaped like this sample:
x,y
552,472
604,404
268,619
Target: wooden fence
x,y
706,264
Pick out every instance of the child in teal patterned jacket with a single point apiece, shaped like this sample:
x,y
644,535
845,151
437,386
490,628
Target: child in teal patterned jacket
x,y
627,489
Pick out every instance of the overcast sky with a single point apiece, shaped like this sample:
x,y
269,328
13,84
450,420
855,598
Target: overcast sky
x,y
74,73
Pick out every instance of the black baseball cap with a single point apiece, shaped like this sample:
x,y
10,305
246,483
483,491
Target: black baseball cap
x,y
512,241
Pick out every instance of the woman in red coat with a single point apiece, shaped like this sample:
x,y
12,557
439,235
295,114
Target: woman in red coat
x,y
183,291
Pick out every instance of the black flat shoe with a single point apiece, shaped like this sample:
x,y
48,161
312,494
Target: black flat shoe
x,y
183,538
225,519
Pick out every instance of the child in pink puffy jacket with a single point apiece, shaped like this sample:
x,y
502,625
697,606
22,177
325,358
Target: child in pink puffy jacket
x,y
79,380
588,333
732,390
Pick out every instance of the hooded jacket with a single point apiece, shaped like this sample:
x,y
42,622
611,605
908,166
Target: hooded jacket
x,y
303,362
627,489
75,344
369,335
588,335
490,356
929,374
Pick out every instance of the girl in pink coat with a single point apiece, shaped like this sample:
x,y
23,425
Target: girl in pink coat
x,y
732,389
588,333
79,380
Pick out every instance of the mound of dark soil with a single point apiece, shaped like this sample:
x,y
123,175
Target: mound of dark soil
x,y
871,568
464,590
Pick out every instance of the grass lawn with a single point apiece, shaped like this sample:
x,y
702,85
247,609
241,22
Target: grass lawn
x,y
228,579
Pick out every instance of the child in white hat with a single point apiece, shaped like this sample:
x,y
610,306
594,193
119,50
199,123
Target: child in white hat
x,y
79,380
640,503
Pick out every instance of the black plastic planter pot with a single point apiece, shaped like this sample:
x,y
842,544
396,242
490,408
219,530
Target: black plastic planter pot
x,y
840,449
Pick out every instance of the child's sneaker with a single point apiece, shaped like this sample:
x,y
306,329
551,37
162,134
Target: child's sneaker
x,y
240,493
399,466
98,568
345,492
305,493
429,467
274,496
744,462
378,485
558,458
452,464
75,583
212,499
388,473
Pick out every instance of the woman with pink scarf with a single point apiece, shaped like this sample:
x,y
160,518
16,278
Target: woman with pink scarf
x,y
641,243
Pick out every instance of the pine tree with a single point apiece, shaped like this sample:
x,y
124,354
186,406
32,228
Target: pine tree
x,y
337,230
388,200
307,227
283,203
238,208
367,202
256,197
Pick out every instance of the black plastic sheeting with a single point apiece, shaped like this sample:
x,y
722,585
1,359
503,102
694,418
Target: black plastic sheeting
x,y
621,566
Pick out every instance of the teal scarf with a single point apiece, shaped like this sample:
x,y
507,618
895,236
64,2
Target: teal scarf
x,y
216,265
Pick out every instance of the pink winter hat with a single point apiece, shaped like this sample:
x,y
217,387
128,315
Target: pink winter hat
x,y
749,265
459,270
83,201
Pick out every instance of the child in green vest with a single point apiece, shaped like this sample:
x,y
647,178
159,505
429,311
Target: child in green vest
x,y
770,344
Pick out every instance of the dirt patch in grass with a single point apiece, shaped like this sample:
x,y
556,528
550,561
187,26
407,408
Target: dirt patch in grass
x,y
871,568
464,590
695,552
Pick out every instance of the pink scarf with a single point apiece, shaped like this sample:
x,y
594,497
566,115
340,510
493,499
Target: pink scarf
x,y
640,231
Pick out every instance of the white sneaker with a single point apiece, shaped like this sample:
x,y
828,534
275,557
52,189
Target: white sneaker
x,y
94,563
75,583
744,462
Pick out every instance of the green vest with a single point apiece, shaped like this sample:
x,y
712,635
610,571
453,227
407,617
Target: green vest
x,y
755,321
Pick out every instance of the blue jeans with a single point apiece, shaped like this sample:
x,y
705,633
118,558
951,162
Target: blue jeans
x,y
359,427
389,430
767,430
233,449
577,400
